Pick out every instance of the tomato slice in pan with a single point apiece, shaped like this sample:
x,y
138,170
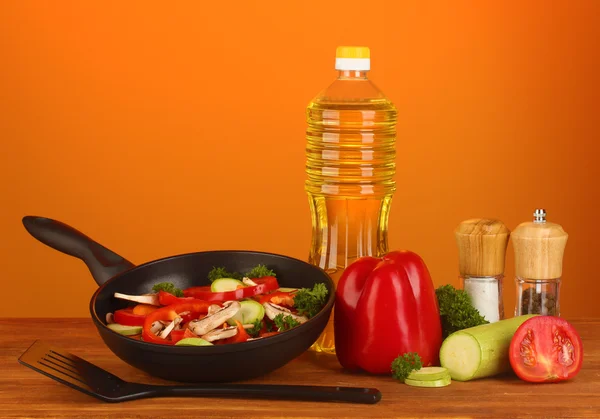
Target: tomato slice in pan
x,y
263,285
546,349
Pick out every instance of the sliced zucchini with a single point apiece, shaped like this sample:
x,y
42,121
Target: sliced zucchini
x,y
434,383
193,342
250,312
429,374
225,284
125,330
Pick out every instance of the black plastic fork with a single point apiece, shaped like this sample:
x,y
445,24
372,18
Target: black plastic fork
x,y
81,375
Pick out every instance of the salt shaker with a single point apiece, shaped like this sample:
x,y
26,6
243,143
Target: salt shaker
x,y
539,247
482,249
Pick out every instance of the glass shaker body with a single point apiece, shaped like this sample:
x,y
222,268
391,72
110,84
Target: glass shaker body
x,y
486,295
537,296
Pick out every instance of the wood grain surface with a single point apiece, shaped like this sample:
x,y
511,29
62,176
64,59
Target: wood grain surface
x,y
25,393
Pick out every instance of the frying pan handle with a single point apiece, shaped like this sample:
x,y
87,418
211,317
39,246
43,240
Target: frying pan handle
x,y
102,263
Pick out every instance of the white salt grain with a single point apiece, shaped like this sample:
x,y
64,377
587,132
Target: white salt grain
x,y
484,293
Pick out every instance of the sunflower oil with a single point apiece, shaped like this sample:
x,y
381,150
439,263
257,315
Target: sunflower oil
x,y
350,167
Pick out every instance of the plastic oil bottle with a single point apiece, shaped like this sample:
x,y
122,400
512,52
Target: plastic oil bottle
x,y
350,168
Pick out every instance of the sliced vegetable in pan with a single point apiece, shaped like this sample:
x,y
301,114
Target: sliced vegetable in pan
x,y
235,308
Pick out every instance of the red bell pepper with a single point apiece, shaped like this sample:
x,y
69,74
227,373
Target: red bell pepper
x,y
384,308
144,309
279,298
177,335
126,317
263,285
241,336
166,298
169,313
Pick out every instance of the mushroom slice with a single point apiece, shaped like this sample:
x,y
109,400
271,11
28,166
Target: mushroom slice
x,y
218,334
170,327
151,299
110,318
213,308
249,282
273,310
216,319
156,327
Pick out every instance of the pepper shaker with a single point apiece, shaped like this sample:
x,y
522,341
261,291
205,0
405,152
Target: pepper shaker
x,y
482,249
539,247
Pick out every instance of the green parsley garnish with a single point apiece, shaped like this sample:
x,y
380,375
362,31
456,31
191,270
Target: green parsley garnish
x,y
168,287
217,273
456,310
285,322
259,271
254,331
405,364
309,302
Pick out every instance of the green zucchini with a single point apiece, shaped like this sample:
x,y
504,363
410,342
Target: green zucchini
x,y
429,383
225,284
193,342
480,351
250,312
429,374
125,330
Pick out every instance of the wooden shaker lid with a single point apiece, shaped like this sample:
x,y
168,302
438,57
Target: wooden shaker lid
x,y
539,248
481,246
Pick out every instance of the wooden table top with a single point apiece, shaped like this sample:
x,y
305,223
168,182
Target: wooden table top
x,y
26,393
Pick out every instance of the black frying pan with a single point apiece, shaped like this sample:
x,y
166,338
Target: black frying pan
x,y
219,363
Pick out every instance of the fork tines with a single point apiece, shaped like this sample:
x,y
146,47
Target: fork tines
x,y
60,366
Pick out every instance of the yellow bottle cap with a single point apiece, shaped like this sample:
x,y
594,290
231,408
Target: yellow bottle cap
x,y
353,58
353,52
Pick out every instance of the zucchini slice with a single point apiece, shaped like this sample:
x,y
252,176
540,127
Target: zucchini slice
x,y
250,312
225,284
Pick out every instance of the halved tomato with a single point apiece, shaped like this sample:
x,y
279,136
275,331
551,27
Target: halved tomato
x,y
546,349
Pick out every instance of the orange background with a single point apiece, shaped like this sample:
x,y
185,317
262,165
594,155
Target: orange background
x,y
160,130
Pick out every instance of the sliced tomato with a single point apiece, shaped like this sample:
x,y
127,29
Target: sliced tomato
x,y
263,285
546,349
127,317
